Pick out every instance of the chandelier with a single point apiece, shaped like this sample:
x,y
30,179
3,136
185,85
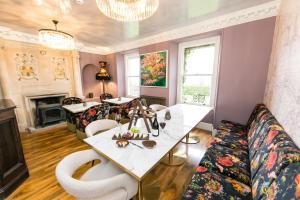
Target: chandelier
x,y
56,39
128,10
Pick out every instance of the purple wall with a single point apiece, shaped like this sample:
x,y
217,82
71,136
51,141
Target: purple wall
x,y
172,71
245,57
89,67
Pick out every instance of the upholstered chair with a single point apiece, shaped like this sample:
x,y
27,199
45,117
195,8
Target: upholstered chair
x,y
71,100
99,126
104,181
92,114
157,107
71,117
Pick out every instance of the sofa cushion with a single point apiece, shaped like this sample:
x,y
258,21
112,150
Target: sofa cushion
x,y
287,185
267,141
231,126
276,161
228,162
260,129
274,140
238,144
207,185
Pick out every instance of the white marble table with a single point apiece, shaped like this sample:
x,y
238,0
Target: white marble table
x,y
116,101
138,162
77,108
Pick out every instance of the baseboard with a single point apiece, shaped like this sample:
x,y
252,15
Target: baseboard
x,y
205,126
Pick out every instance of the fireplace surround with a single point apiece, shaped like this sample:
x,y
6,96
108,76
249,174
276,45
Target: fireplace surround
x,y
45,110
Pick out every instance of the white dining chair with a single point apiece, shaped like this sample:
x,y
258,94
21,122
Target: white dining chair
x,y
102,182
99,125
157,107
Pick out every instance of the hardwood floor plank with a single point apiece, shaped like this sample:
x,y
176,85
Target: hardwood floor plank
x,y
44,150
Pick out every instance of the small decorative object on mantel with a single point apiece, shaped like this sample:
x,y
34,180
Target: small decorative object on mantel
x,y
103,75
60,66
26,66
168,115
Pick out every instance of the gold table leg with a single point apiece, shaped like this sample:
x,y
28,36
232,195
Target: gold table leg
x,y
140,191
190,140
173,160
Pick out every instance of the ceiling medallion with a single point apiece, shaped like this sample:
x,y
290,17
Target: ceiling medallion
x,y
128,10
56,39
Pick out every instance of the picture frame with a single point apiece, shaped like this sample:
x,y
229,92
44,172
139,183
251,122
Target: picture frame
x,y
154,69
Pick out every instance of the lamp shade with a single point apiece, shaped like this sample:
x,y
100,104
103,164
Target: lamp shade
x,y
103,72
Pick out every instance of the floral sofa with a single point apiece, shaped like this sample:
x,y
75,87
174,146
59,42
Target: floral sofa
x,y
253,161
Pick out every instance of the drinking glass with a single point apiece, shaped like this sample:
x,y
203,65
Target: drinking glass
x,y
118,118
162,125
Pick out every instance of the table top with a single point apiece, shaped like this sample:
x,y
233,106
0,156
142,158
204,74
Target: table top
x,y
116,101
77,108
138,162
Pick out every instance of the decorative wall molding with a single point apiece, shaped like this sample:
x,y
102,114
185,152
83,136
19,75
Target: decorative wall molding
x,y
259,12
254,13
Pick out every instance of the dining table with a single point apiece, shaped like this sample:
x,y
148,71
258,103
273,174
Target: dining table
x,y
137,160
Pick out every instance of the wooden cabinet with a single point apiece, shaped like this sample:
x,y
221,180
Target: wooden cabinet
x,y
13,169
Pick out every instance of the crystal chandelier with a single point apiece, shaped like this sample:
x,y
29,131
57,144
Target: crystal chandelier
x,y
56,39
128,10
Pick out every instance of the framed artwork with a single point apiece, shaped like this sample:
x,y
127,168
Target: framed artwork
x,y
154,69
60,68
26,66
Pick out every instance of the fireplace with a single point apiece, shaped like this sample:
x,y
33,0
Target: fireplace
x,y
45,110
49,111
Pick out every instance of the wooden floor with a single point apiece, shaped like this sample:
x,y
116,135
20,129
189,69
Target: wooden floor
x,y
44,150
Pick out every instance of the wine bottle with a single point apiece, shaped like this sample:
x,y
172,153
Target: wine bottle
x,y
155,126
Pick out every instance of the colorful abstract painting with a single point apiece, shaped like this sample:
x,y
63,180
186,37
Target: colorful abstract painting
x,y
154,69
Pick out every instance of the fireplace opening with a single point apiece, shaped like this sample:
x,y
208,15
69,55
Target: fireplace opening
x,y
49,111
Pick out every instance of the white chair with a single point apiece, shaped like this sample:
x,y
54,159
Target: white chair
x,y
99,125
157,107
102,182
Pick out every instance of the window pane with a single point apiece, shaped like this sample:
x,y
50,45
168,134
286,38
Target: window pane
x,y
199,60
196,89
133,86
133,66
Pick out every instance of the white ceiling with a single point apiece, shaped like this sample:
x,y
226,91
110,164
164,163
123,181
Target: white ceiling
x,y
91,27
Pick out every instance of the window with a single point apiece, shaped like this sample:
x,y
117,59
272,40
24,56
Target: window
x,y
132,64
198,61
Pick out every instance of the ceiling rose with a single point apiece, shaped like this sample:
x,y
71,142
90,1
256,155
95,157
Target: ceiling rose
x,y
128,10
56,39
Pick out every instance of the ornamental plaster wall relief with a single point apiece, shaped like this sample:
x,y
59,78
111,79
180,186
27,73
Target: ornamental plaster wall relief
x,y
28,70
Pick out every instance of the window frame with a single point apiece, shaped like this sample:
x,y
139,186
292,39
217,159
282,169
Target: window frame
x,y
214,84
126,58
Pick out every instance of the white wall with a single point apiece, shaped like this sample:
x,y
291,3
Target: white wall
x,y
283,86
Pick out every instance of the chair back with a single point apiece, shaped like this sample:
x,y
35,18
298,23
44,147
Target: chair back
x,y
92,114
100,125
71,100
157,107
67,167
